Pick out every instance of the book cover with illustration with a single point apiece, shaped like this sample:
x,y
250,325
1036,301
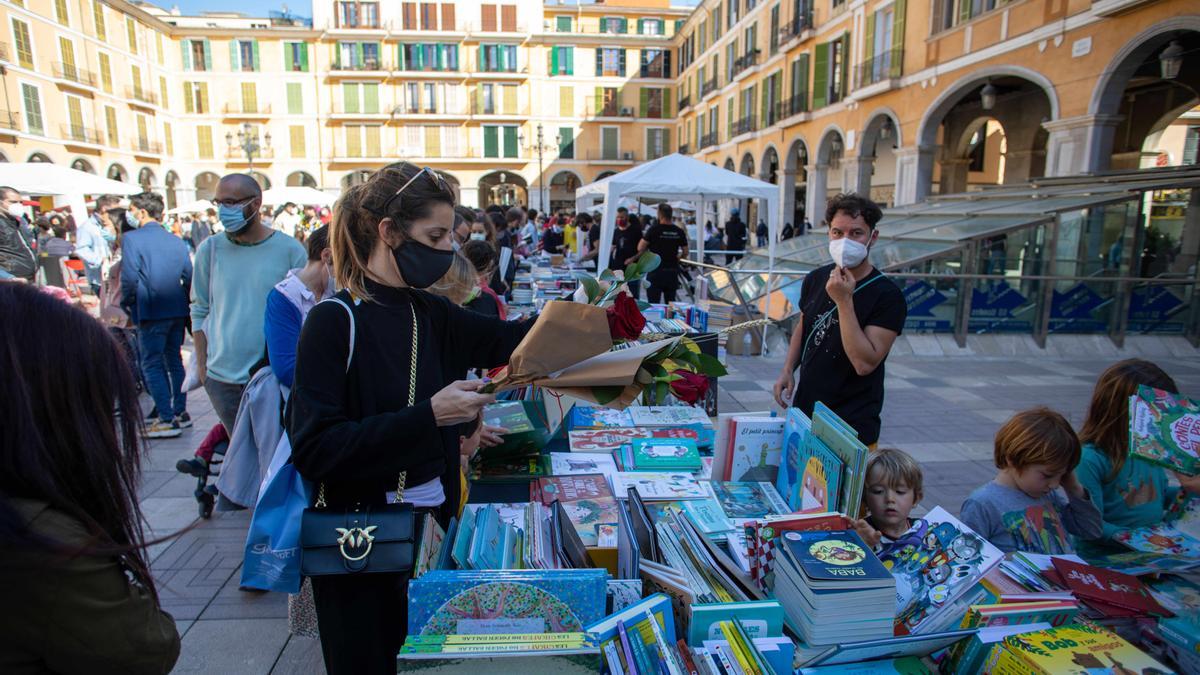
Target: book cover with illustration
x,y
607,440
659,486
1164,428
595,417
1183,600
707,514
430,546
576,463
796,428
587,500
1038,529
455,602
755,447
1179,535
935,562
527,428
664,454
667,415
838,558
742,500
762,539
760,618
1075,648
1096,585
843,442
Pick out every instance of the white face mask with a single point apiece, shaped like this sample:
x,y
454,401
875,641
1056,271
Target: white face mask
x,y
17,210
478,236
847,253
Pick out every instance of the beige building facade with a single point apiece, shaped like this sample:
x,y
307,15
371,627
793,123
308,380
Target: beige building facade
x,y
522,102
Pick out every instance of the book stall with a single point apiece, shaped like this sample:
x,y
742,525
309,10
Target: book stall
x,y
618,529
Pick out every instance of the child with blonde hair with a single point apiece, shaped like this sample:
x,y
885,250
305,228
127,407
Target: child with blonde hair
x,y
893,487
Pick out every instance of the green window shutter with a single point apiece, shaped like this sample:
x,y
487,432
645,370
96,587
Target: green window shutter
x,y
623,26
349,97
371,97
419,56
554,60
599,61
207,55
401,62
457,63
869,36
188,103
491,142
803,90
563,24
845,64
764,103
295,99
510,141
304,57
598,101
643,102
186,46
641,26
566,149
481,63
234,62
257,64
821,76
570,60
287,55
621,65
964,11
662,30
897,45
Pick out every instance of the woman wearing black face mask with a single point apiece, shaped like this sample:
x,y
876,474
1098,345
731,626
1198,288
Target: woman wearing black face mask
x,y
351,423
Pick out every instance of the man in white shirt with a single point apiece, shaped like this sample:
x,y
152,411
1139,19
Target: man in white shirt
x,y
287,219
90,244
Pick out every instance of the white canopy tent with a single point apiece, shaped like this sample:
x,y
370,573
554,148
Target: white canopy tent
x,y
66,185
198,206
297,194
678,178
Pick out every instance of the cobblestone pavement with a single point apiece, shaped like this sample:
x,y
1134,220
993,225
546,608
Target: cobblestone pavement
x,y
943,405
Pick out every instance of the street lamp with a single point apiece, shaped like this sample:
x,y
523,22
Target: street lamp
x,y
987,96
247,140
540,147
1171,60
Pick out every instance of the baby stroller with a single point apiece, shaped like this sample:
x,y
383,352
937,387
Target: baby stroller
x,y
205,465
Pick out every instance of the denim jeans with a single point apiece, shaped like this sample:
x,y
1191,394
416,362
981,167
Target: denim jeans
x,y
162,364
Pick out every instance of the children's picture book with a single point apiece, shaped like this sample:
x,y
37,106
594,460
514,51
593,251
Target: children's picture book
x,y
836,560
607,440
506,469
742,500
1096,585
587,500
1072,648
760,618
755,446
854,654
935,562
1179,535
665,454
1164,428
658,486
796,429
430,546
707,514
658,604
595,417
527,430
1038,529
761,538
576,463
843,442
667,416
454,602
908,665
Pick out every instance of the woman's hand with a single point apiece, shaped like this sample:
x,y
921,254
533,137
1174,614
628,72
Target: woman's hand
x,y
490,436
459,402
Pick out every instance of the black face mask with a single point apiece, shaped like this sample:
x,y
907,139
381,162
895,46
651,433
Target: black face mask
x,y
421,265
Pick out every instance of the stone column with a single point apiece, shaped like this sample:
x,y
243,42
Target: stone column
x,y
815,198
856,172
1019,165
1080,144
954,175
914,173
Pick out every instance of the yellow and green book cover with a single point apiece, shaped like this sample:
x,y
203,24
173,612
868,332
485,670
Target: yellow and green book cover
x,y
1073,648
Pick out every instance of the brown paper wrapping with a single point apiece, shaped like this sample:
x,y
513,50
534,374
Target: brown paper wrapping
x,y
617,368
564,334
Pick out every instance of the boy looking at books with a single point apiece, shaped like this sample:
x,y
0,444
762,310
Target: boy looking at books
x,y
1036,452
893,488
1129,493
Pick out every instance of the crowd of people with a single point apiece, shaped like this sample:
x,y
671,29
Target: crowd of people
x,y
354,340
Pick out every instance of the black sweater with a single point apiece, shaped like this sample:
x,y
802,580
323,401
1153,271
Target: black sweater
x,y
353,430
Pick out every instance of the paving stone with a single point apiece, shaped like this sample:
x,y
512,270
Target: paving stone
x,y
301,655
232,647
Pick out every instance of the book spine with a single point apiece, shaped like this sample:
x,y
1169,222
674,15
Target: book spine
x,y
647,664
613,658
1177,637
737,650
497,637
630,660
662,647
729,664
685,655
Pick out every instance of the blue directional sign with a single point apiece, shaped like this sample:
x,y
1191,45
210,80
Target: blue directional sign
x,y
922,298
1150,310
995,302
1076,303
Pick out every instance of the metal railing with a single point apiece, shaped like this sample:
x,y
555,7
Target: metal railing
x,y
498,27
792,29
608,108
73,73
603,155
707,87
878,68
148,146
366,65
80,133
708,140
745,125
685,101
481,108
745,61
240,108
236,155
139,93
9,120
793,105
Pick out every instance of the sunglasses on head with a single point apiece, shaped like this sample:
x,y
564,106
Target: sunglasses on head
x,y
438,181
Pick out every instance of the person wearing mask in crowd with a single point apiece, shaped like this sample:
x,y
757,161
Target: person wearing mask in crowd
x,y
485,301
287,219
483,230
669,242
570,240
289,303
201,230
367,410
465,219
234,274
735,236
507,226
56,244
626,241
850,316
17,260
514,218
552,240
267,217
78,592
760,233
531,234
584,222
156,277
91,245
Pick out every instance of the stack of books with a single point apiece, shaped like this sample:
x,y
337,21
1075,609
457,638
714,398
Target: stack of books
x,y
833,588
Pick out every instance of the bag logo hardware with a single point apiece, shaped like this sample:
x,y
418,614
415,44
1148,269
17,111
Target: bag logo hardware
x,y
355,537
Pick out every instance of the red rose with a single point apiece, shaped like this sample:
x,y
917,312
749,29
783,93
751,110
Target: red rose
x,y
690,387
625,320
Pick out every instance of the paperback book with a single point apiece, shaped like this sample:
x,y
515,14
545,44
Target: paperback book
x,y
1164,428
664,454
1076,647
1179,535
595,417
1102,588
743,500
667,416
607,440
578,463
843,442
755,446
658,486
586,499
527,431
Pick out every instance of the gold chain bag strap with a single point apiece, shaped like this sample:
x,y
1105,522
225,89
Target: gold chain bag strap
x,y
362,538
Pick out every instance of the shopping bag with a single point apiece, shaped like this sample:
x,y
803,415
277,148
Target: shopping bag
x,y
272,557
191,378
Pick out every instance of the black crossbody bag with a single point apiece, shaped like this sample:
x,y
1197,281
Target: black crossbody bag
x,y
361,539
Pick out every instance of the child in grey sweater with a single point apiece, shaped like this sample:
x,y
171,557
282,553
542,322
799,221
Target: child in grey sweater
x,y
1023,507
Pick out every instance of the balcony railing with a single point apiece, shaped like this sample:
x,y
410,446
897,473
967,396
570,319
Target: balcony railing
x,y
685,149
82,134
745,125
411,68
878,68
608,155
481,108
745,61
361,25
236,155
9,120
4,51
792,29
142,94
685,101
498,27
708,140
609,108
148,146
365,65
73,73
707,87
240,108
359,153
791,106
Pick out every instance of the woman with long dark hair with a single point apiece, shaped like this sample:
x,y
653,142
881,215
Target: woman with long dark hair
x,y
375,394
77,591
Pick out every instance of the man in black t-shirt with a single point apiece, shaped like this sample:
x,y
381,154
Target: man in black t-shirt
x,y
669,241
735,237
850,316
625,246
